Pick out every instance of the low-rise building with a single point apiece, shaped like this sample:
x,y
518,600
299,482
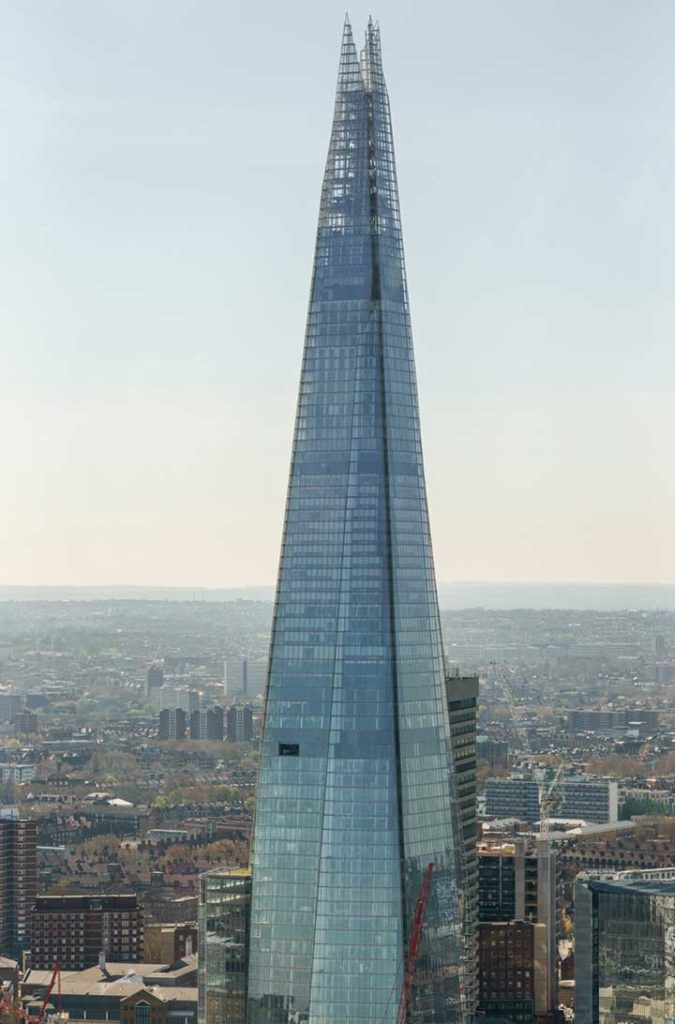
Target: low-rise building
x,y
128,993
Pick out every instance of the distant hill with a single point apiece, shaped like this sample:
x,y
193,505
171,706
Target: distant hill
x,y
453,596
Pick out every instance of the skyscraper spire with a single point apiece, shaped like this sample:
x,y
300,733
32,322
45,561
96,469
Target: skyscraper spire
x,y
355,794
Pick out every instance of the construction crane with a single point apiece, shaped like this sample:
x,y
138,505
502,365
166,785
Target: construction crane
x,y
7,1004
547,801
413,947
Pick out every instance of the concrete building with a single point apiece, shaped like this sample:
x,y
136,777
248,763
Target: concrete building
x,y
18,772
239,723
18,881
625,947
462,697
10,706
586,797
172,724
253,677
609,721
75,930
513,971
207,724
170,942
519,882
183,697
495,752
155,677
27,722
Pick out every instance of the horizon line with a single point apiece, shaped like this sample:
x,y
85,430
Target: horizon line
x,y
272,586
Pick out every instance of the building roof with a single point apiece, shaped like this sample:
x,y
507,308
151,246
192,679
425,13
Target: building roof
x,y
95,978
648,882
76,901
79,986
228,872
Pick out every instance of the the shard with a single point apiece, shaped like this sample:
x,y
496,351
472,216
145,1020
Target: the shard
x,y
355,795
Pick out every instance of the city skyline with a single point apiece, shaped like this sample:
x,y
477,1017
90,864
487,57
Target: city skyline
x,y
147,389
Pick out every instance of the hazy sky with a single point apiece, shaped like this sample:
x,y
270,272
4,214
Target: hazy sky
x,y
160,184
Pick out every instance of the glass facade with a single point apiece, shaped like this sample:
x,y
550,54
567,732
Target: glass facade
x,y
224,920
625,948
355,796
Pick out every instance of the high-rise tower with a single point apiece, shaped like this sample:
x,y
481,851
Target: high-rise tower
x,y
355,792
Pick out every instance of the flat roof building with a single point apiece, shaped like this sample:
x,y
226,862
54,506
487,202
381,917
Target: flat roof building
x,y
75,930
625,947
224,928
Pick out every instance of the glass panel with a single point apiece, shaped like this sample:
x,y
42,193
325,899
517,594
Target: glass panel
x,y
345,830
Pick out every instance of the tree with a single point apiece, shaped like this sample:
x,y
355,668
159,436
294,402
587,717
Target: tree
x,y
618,766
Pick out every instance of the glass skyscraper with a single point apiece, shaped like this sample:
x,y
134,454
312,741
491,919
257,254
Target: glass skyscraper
x,y
624,967
355,796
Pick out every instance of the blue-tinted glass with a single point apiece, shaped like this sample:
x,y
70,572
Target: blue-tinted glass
x,y
354,796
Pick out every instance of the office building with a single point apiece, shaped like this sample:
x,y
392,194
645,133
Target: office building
x,y
27,722
610,721
182,697
11,705
495,752
224,923
624,966
253,676
585,797
497,883
244,677
462,696
75,930
520,882
172,724
239,724
18,772
207,724
589,798
155,677
355,798
513,971
18,880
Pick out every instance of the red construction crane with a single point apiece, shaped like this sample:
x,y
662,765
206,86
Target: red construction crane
x,y
6,1004
413,947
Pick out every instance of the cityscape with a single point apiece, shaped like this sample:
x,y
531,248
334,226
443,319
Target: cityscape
x,y
364,796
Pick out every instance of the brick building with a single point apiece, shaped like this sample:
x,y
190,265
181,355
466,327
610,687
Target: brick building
x,y
75,930
18,880
512,970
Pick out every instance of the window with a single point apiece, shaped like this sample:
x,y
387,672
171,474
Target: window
x,y
142,1012
289,749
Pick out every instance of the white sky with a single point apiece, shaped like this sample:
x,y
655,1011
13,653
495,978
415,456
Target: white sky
x,y
160,182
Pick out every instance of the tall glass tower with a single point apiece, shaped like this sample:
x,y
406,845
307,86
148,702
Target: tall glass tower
x,y
355,795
